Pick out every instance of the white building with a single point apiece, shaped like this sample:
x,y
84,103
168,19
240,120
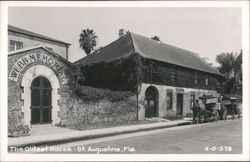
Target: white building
x,y
19,38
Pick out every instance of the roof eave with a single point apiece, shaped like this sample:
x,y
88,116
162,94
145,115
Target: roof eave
x,y
182,65
41,37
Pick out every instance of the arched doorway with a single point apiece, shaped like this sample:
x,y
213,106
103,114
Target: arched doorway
x,y
151,102
41,101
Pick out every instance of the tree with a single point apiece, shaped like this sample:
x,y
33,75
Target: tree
x,y
87,40
231,67
156,38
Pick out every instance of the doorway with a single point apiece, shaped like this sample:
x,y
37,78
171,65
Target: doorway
x,y
41,101
179,104
151,102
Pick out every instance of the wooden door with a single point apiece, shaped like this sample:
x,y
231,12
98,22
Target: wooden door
x,y
179,104
40,101
150,103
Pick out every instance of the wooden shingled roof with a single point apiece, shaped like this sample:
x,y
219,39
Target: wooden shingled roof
x,y
132,43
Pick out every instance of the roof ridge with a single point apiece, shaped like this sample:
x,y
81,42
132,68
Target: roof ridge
x,y
148,48
132,40
136,49
160,42
182,52
110,44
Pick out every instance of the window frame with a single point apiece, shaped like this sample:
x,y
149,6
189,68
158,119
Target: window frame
x,y
169,100
15,45
206,80
196,78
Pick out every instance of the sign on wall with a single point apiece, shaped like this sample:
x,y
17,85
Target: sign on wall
x,y
34,58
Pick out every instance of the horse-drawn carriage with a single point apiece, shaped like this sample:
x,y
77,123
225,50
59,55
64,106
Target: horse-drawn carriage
x,y
211,107
230,106
215,108
206,108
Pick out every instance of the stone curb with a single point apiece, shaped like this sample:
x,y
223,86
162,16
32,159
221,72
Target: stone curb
x,y
80,136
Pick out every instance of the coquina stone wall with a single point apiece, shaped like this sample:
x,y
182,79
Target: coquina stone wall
x,y
80,114
68,109
19,86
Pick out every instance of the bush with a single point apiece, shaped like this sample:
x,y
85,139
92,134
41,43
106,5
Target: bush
x,y
117,75
19,130
94,94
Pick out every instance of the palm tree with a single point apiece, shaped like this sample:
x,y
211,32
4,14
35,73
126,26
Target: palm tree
x,y
231,67
87,40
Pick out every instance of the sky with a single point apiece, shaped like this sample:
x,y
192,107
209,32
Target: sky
x,y
206,31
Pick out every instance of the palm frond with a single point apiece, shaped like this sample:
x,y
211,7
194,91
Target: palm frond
x,y
87,40
230,64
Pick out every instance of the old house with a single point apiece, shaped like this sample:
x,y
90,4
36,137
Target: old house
x,y
165,78
148,78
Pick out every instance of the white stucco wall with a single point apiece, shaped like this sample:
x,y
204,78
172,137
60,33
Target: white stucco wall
x,y
29,41
162,99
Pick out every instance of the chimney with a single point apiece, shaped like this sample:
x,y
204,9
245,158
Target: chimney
x,y
121,32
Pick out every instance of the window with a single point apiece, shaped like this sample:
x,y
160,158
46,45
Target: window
x,y
195,78
150,70
202,79
153,68
217,82
173,73
206,80
169,100
15,45
146,71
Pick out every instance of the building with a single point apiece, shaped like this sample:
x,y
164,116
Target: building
x,y
19,38
42,89
166,78
148,79
38,79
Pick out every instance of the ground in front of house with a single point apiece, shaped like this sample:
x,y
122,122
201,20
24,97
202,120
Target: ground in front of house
x,y
223,137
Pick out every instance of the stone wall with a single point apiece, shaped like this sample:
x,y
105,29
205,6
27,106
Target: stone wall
x,y
80,114
68,109
19,90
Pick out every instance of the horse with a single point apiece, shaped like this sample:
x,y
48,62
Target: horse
x,y
215,114
223,112
198,113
